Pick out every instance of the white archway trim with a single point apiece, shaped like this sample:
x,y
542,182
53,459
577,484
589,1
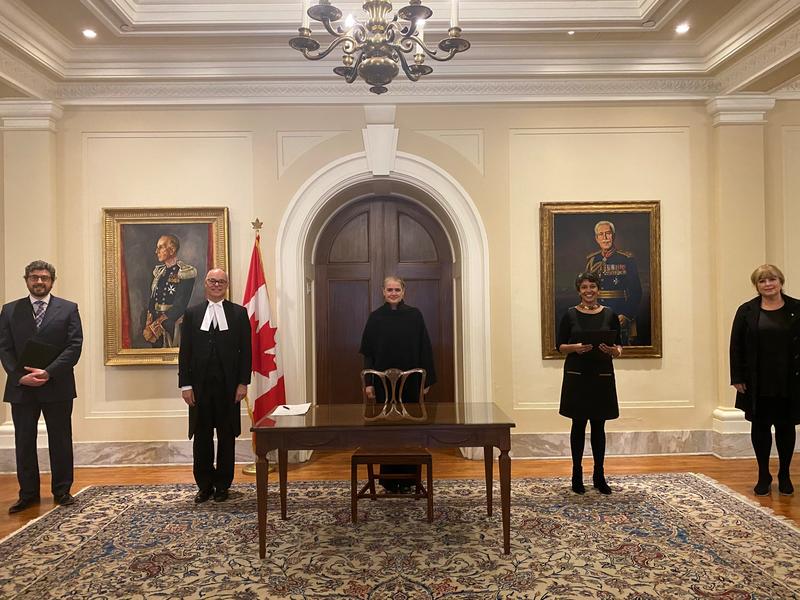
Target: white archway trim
x,y
293,239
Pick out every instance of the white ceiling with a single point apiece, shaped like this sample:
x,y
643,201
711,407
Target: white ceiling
x,y
229,52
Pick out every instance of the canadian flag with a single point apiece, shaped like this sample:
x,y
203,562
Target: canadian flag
x,y
267,381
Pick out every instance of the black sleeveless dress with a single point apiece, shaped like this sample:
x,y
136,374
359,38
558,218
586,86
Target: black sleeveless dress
x,y
588,390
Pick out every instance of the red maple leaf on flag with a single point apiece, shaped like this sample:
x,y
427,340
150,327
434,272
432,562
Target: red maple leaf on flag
x,y
263,342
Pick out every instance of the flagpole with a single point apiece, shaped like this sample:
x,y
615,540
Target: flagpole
x,y
250,469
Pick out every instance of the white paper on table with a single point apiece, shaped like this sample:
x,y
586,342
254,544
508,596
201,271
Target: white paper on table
x,y
284,410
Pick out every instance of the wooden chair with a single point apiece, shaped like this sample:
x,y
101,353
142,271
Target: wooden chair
x,y
393,382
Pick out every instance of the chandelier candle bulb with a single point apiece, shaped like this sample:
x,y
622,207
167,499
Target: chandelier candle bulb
x,y
305,19
454,13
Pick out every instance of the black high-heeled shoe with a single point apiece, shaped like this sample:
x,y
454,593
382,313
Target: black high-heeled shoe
x,y
785,487
577,482
600,483
764,486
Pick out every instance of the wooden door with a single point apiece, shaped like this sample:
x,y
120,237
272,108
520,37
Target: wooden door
x,y
362,244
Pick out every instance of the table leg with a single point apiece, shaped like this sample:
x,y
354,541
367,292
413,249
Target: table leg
x,y
505,498
283,459
353,491
262,473
488,457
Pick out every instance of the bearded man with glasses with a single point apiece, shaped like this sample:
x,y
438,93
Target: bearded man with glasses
x,y
40,343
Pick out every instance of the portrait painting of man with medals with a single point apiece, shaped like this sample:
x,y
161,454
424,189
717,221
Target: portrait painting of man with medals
x,y
619,243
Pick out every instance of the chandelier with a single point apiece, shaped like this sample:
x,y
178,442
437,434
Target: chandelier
x,y
377,49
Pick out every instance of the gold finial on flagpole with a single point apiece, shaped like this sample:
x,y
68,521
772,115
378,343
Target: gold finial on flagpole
x,y
257,224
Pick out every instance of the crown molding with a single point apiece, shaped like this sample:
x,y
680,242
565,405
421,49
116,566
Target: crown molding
x,y
29,115
141,16
33,36
273,59
401,92
782,48
790,91
751,20
740,109
283,63
24,77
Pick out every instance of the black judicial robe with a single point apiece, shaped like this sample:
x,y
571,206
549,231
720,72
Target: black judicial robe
x,y
398,339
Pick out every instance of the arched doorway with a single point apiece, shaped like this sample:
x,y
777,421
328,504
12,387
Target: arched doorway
x,y
358,246
323,194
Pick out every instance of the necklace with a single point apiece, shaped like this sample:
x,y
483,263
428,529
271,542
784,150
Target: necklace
x,y
588,307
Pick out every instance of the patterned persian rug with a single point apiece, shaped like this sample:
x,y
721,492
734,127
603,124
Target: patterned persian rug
x,y
658,536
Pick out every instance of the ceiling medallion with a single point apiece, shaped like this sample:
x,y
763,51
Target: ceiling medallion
x,y
376,50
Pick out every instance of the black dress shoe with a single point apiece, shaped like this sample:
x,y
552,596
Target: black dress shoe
x,y
64,499
763,487
220,495
203,496
22,504
600,484
785,487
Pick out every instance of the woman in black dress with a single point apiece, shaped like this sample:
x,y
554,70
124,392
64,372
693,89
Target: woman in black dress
x,y
765,370
588,391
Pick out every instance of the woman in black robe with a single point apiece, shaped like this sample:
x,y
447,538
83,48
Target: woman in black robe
x,y
395,337
588,391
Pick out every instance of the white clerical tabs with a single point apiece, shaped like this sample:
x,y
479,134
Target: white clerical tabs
x,y
284,410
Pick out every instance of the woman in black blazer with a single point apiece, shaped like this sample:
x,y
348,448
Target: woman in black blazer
x,y
765,370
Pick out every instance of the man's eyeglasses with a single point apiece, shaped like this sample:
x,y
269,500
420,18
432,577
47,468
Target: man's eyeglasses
x,y
43,278
217,281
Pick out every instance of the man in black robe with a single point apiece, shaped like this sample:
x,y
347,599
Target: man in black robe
x,y
395,337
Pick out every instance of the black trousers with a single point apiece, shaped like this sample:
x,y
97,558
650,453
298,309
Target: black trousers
x,y
213,415
58,419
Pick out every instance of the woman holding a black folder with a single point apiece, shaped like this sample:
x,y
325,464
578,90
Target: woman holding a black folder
x,y
589,336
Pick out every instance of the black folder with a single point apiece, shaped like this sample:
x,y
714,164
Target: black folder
x,y
37,354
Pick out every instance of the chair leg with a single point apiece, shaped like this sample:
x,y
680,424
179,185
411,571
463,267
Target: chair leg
x,y
353,492
430,491
371,478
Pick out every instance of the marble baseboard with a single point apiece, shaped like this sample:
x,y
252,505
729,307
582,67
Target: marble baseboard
x,y
639,443
524,445
118,454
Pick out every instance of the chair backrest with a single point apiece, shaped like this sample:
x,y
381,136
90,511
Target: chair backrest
x,y
393,382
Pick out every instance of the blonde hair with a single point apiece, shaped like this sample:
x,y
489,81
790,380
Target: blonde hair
x,y
393,278
766,270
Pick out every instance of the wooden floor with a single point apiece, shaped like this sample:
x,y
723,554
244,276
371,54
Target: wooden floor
x,y
738,474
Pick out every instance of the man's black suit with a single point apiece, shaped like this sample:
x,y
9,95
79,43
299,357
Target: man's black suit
x,y
214,363
61,327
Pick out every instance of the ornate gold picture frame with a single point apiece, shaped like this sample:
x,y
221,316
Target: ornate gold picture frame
x,y
154,264
621,243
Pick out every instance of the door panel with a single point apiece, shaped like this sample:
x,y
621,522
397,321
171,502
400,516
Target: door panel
x,y
360,246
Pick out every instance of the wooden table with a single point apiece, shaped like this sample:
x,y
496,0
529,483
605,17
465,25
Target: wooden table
x,y
342,426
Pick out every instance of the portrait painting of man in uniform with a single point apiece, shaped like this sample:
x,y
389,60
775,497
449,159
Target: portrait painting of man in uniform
x,y
153,260
620,243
